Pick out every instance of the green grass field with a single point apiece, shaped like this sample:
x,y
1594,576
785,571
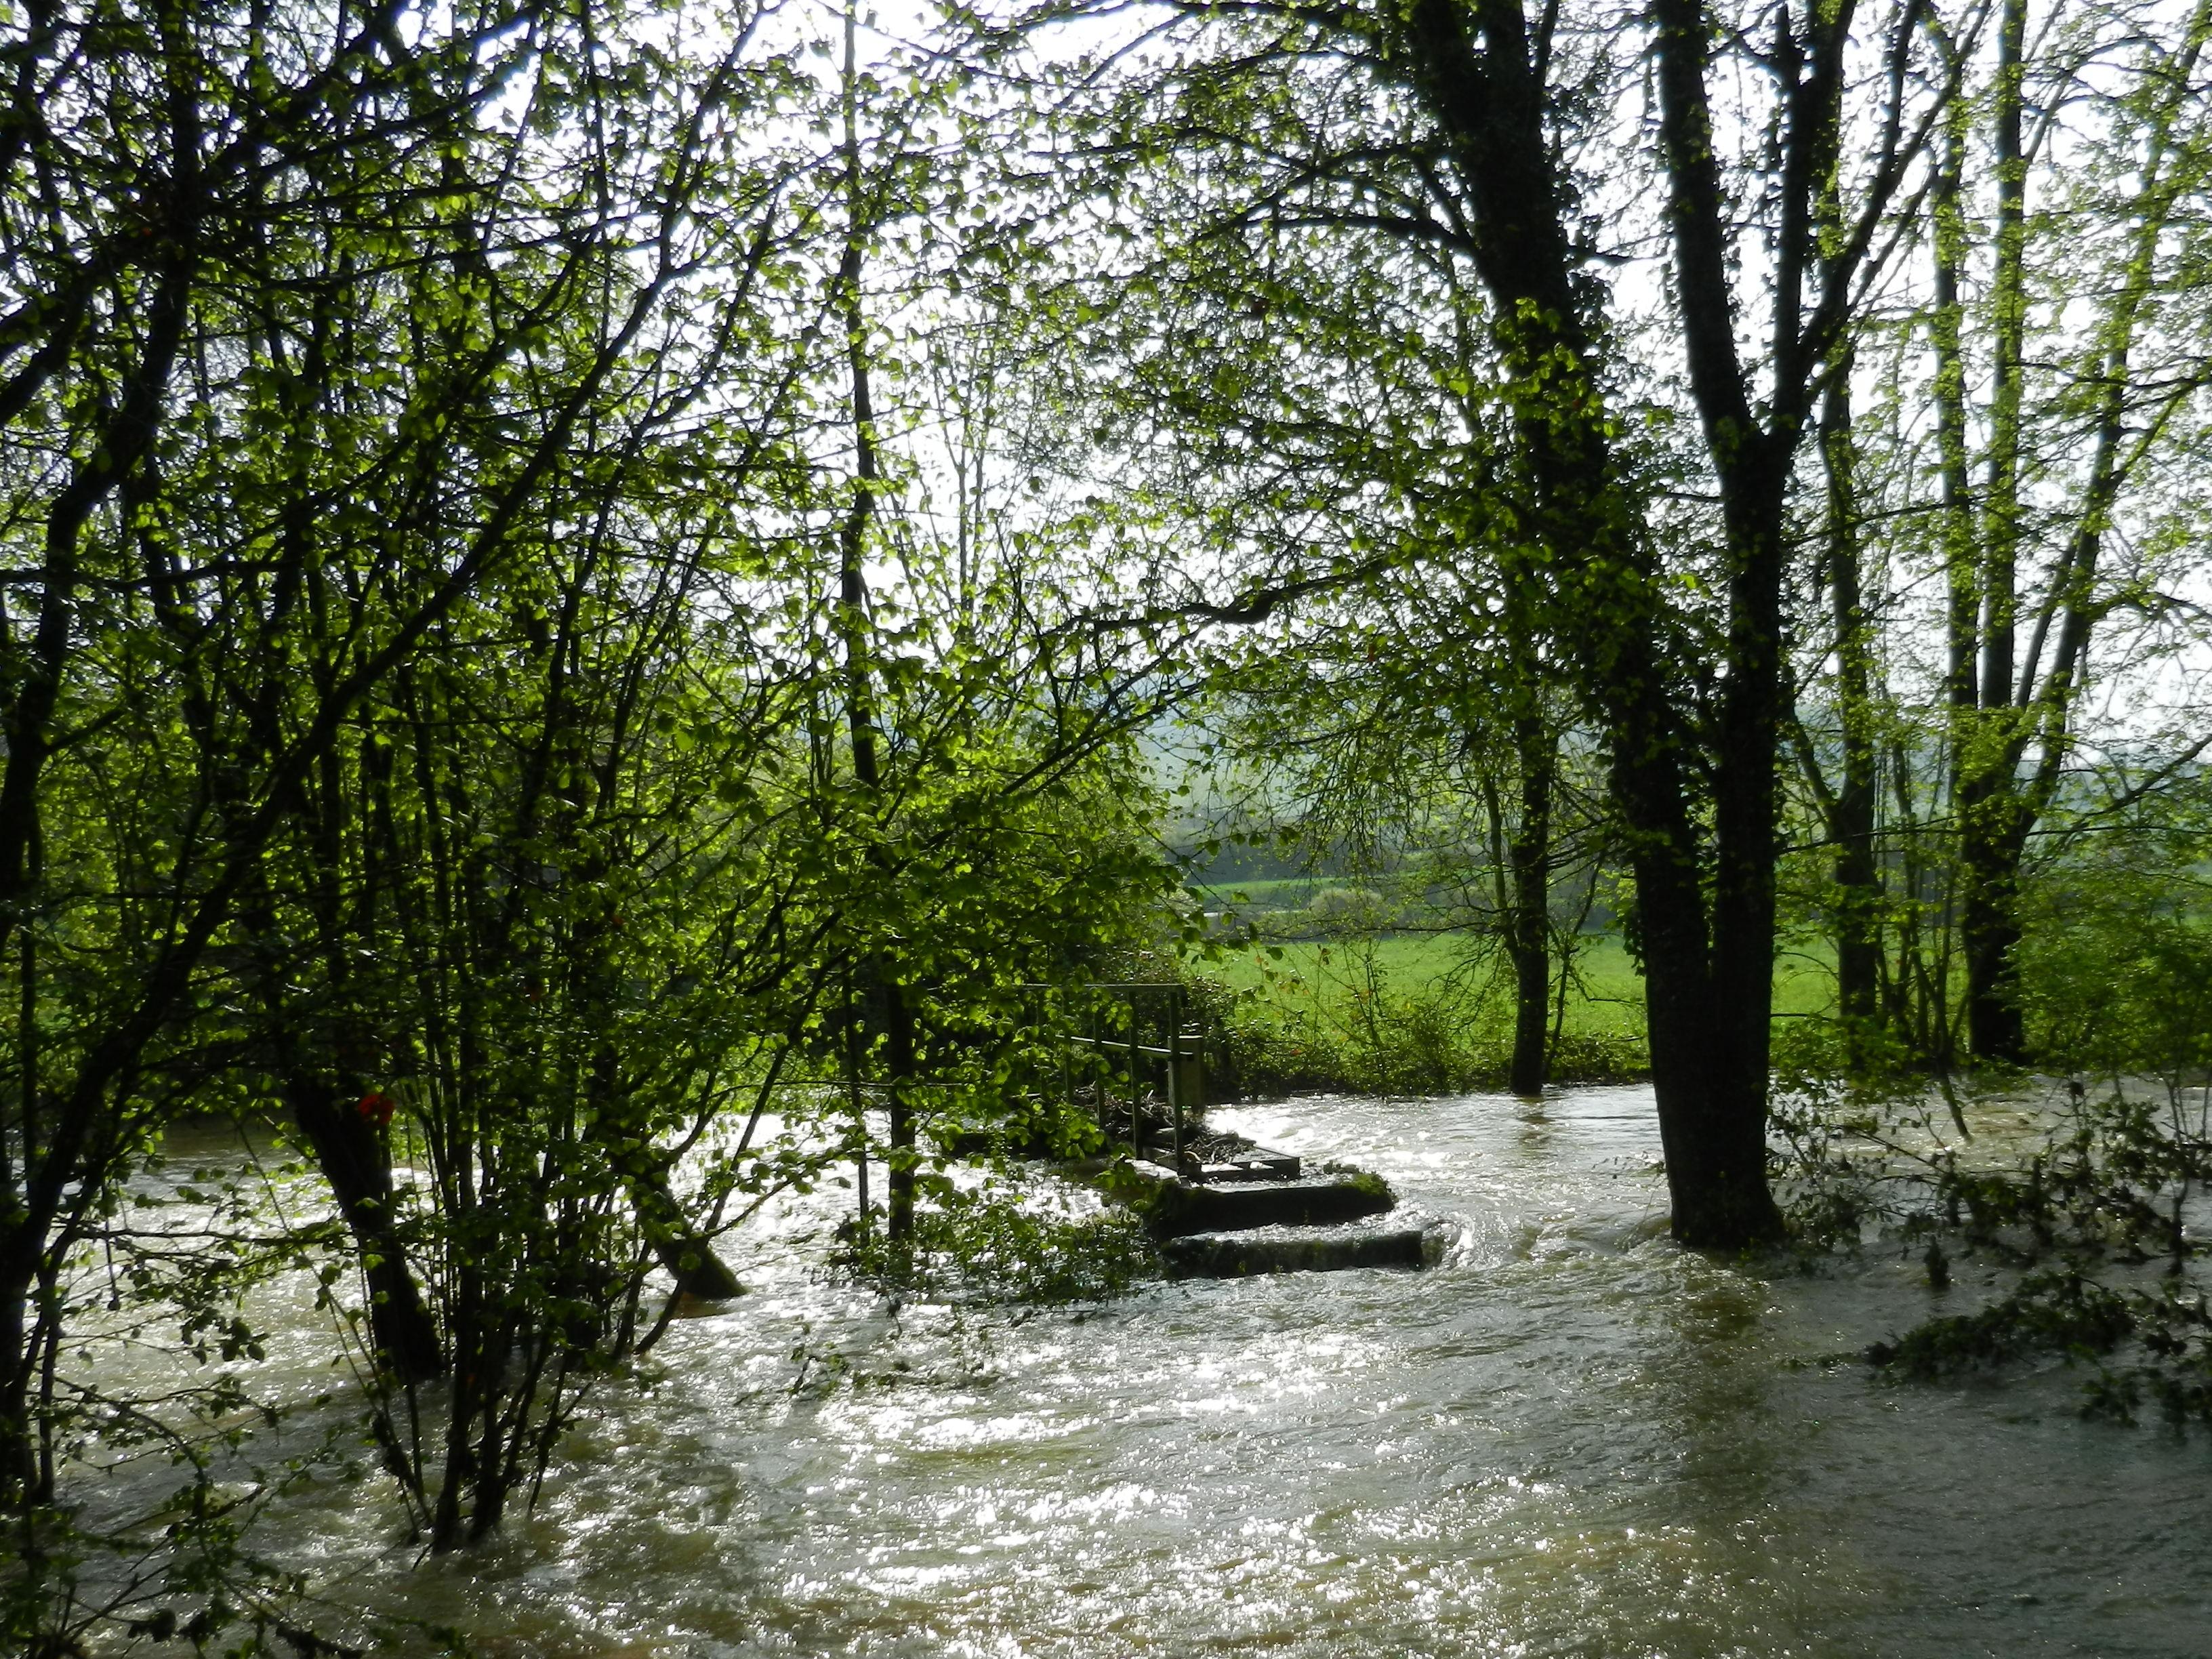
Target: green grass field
x,y
1423,1012
1607,997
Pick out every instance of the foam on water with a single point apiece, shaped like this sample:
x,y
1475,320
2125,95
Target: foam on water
x,y
1571,1438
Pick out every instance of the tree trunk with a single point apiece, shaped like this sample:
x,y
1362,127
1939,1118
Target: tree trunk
x,y
349,1151
1708,1033
19,1465
853,608
1851,817
1530,854
1752,457
1752,463
1991,839
352,1157
1933,1031
1986,787
691,1259
1747,791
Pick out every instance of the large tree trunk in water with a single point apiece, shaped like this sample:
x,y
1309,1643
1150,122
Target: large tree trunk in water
x,y
351,1155
1752,456
1707,996
1708,1058
1746,789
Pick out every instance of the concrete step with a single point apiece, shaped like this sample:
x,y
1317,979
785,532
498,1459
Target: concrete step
x,y
1174,1208
1293,1250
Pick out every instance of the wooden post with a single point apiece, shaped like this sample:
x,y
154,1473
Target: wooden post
x,y
1175,1070
1136,1138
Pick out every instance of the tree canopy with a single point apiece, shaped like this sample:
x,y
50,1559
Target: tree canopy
x,y
574,578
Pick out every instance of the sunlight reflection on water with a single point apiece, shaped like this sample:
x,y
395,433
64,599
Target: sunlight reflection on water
x,y
1569,1440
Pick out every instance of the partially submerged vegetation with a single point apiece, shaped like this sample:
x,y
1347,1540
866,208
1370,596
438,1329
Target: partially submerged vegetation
x,y
2075,1222
2081,1197
1005,1240
592,596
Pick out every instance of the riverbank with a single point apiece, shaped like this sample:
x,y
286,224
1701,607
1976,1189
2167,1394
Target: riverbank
x,y
1425,1014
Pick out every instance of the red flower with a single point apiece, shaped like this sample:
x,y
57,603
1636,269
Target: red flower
x,y
376,1108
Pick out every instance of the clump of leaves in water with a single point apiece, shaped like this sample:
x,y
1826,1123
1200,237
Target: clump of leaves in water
x,y
1852,1157
2061,1310
991,1245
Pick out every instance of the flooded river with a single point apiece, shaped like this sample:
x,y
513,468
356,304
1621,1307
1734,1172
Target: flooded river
x,y
1571,1438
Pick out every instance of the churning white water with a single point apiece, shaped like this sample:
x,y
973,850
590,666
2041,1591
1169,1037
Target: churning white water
x,y
1571,1438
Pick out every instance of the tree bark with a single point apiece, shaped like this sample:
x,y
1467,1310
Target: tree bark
x,y
1858,905
1987,793
355,1161
899,1158
2021,700
1706,995
1529,935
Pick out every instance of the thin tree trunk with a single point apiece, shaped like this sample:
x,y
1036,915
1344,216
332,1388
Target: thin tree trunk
x,y
30,1201
1530,854
1932,1031
899,1157
687,1256
1859,901
1990,833
19,1468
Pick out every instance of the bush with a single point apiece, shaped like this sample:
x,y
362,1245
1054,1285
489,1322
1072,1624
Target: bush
x,y
2115,974
993,1245
1394,1043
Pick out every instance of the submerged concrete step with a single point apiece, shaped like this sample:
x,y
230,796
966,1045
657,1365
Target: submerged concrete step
x,y
1173,1208
1180,1207
1264,1166
1293,1251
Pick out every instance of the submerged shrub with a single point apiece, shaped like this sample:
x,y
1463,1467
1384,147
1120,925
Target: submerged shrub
x,y
2094,1218
992,1245
2059,1311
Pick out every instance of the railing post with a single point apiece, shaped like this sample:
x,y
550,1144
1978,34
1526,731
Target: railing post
x,y
1136,1131
1059,1053
1175,1072
1099,1060
859,1108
